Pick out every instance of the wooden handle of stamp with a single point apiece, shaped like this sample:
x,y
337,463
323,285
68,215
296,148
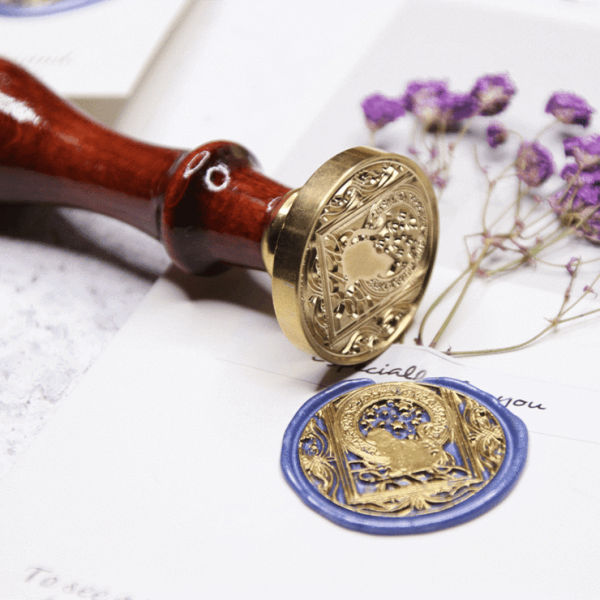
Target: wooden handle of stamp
x,y
209,206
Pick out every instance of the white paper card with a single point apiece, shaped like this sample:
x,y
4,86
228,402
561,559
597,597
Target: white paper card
x,y
98,50
160,479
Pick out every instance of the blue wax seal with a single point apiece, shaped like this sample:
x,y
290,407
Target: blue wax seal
x,y
35,8
397,458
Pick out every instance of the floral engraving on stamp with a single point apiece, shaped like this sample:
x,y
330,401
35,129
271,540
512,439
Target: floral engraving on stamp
x,y
363,268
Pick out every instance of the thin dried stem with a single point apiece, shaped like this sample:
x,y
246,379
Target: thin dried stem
x,y
473,271
434,305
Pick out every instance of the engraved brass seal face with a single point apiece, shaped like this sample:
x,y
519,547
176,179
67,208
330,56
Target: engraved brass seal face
x,y
351,254
403,458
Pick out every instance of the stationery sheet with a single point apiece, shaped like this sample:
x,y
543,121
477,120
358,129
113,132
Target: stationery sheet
x,y
94,50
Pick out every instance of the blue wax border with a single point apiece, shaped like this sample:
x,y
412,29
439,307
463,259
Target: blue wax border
x,y
494,492
38,11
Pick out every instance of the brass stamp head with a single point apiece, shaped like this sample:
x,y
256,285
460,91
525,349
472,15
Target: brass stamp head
x,y
351,253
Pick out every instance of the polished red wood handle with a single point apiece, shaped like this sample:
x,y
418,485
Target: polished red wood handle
x,y
209,206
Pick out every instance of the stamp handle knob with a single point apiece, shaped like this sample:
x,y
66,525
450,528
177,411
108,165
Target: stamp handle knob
x,y
209,206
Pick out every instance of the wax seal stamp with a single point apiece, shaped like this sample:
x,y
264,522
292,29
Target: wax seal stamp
x,y
397,458
350,253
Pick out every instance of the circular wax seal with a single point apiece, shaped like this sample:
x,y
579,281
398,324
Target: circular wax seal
x,y
397,458
34,8
351,253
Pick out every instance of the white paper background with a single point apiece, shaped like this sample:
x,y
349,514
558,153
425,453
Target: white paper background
x,y
98,50
160,477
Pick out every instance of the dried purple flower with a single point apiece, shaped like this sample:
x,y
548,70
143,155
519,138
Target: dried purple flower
x,y
457,107
534,163
380,110
569,109
578,205
572,265
588,224
422,99
570,172
420,92
576,176
493,93
585,150
496,134
576,197
589,195
437,107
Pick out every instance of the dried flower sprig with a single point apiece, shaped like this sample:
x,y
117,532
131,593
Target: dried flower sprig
x,y
562,316
438,110
531,222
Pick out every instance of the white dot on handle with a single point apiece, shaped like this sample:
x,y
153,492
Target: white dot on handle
x,y
220,168
196,163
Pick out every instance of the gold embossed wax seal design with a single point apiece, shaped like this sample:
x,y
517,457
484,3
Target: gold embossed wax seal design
x,y
401,450
354,255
